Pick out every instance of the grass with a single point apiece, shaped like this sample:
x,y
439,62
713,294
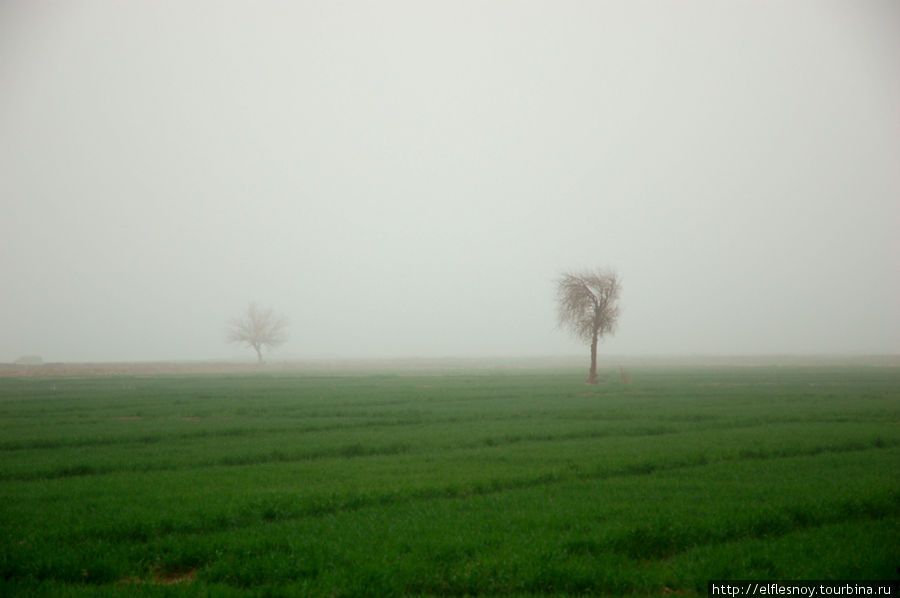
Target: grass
x,y
462,483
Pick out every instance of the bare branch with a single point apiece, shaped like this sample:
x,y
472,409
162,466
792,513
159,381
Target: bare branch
x,y
588,307
258,328
588,303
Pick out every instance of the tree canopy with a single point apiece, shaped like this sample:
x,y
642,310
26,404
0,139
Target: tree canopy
x,y
588,306
258,328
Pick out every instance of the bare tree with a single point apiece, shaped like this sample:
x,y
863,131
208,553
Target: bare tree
x,y
258,328
588,307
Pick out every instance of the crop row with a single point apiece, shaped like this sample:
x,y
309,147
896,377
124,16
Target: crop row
x,y
626,519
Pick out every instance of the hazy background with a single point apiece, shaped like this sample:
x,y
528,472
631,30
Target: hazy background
x,y
408,178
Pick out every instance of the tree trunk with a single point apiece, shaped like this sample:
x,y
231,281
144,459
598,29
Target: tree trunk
x,y
258,353
592,375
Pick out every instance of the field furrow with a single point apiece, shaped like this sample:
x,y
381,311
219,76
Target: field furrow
x,y
455,484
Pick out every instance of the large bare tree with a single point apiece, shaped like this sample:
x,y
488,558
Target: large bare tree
x,y
589,307
258,327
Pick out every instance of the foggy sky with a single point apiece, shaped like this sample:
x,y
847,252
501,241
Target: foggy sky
x,y
409,178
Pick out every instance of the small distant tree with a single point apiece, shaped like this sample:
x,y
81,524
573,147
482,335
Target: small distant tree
x,y
258,327
589,308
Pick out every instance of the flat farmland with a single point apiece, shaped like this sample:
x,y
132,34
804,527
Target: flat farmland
x,y
499,482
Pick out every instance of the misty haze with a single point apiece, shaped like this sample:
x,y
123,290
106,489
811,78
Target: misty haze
x,y
464,298
409,179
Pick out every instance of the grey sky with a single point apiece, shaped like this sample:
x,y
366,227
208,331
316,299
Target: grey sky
x,y
409,178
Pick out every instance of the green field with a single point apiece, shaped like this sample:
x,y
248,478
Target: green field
x,y
454,483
